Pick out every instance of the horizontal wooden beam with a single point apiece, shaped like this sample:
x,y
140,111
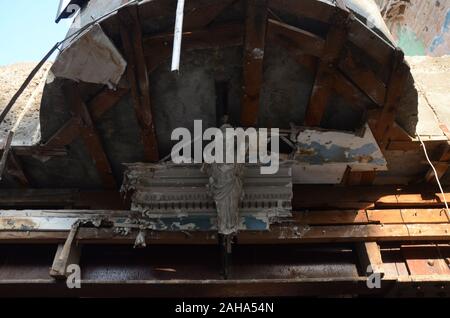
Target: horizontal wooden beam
x,y
158,49
281,234
295,38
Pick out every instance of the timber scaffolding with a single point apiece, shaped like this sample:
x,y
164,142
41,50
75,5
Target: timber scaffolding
x,y
325,248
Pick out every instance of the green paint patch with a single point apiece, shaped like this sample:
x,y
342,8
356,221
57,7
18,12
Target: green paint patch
x,y
410,43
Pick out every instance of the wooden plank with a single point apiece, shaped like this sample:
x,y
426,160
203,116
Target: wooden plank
x,y
90,136
331,217
426,260
408,216
364,197
137,74
391,216
66,255
323,85
254,49
411,200
312,9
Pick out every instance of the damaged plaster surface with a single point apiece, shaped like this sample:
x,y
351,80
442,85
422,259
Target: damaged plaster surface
x,y
184,198
322,157
420,27
431,76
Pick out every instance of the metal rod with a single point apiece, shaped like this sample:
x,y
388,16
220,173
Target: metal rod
x,y
178,36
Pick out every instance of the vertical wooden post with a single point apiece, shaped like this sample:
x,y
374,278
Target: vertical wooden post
x,y
138,79
254,49
323,85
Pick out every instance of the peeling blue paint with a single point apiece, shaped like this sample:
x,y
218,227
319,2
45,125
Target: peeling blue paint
x,y
317,154
253,224
204,223
439,39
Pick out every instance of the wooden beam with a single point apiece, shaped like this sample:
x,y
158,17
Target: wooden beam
x,y
138,79
359,34
90,136
322,89
295,38
104,101
441,167
39,151
363,178
370,258
17,170
254,50
61,198
66,135
279,234
159,48
101,103
196,17
364,78
395,90
5,153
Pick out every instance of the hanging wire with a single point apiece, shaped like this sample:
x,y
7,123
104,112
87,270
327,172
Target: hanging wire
x,y
435,174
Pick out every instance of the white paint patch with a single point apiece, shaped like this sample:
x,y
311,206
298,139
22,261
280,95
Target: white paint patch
x,y
92,58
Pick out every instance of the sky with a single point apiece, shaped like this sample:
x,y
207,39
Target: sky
x,y
28,29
